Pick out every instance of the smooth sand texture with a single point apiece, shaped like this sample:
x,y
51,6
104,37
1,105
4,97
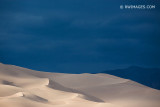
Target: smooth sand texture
x,y
21,87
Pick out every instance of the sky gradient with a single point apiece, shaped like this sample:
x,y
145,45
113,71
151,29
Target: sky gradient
x,y
78,36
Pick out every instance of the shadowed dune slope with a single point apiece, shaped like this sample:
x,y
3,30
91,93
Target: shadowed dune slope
x,y
21,87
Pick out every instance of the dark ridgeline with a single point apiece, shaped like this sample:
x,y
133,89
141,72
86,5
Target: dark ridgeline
x,y
146,76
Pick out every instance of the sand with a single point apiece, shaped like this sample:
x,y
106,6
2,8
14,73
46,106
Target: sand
x,y
21,87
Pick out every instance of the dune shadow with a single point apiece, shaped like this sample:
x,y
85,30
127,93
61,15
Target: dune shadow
x,y
57,86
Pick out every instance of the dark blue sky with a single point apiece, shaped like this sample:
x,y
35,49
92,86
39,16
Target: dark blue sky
x,y
78,35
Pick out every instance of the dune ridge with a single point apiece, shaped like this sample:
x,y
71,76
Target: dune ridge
x,y
22,87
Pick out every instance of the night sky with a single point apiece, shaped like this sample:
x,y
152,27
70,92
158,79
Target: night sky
x,y
77,36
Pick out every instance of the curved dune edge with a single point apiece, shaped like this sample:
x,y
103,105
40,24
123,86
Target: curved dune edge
x,y
21,87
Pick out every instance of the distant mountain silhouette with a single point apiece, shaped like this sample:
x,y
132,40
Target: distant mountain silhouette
x,y
147,76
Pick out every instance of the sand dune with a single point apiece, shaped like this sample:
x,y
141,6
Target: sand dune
x,y
21,87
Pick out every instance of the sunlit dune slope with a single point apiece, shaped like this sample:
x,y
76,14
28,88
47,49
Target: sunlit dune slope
x,y
21,87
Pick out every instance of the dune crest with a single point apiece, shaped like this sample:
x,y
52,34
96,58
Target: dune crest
x,y
21,87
